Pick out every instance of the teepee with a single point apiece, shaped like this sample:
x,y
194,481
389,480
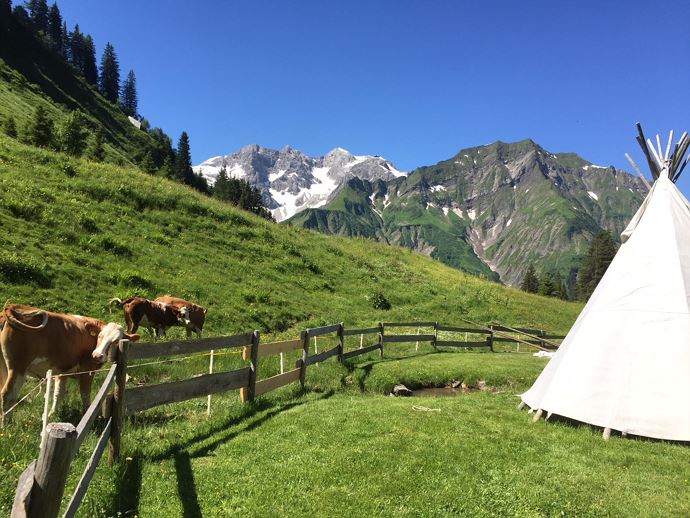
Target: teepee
x,y
625,364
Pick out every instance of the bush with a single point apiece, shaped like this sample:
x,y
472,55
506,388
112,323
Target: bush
x,y
379,301
109,244
133,279
19,270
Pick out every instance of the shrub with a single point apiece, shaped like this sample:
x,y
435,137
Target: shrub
x,y
133,279
379,301
19,270
112,245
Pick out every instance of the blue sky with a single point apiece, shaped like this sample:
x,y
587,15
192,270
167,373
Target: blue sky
x,y
414,81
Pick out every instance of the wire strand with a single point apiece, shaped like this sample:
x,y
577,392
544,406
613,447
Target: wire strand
x,y
43,380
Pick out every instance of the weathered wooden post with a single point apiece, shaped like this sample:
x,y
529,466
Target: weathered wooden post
x,y
51,470
341,341
435,334
119,356
253,367
490,338
381,330
305,354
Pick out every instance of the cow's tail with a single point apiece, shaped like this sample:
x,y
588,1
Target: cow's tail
x,y
15,323
116,301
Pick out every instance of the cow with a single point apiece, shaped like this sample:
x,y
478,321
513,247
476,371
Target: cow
x,y
149,314
193,315
33,340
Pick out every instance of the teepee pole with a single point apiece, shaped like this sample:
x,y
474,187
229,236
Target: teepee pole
x,y
658,147
668,146
637,170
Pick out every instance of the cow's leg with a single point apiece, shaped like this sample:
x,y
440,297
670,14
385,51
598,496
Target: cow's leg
x,y
85,381
198,332
59,394
10,392
3,371
189,332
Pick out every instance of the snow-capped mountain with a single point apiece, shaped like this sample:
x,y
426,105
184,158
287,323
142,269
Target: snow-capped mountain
x,y
291,181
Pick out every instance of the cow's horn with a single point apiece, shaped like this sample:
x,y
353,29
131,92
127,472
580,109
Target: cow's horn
x,y
112,301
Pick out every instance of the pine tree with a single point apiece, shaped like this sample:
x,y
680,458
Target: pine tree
x,y
55,29
109,84
220,188
128,99
96,150
73,133
76,49
183,164
64,52
10,127
560,289
530,283
147,163
40,128
5,14
89,60
546,285
39,15
594,265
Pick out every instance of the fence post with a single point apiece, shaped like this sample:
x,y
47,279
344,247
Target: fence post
x,y
341,341
381,330
52,467
305,354
435,334
119,355
253,367
490,339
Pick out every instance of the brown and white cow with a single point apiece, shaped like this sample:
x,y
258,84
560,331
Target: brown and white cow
x,y
150,314
33,340
193,315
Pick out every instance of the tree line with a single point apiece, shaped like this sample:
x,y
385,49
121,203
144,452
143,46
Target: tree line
x,y
77,135
601,251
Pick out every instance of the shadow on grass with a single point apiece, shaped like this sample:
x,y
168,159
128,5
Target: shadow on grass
x,y
367,366
129,478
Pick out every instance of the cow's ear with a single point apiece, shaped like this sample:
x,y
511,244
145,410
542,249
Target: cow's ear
x,y
93,330
132,338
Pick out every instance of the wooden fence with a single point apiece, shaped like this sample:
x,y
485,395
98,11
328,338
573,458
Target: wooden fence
x,y
41,486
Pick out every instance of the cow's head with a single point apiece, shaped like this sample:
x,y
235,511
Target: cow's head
x,y
110,334
184,316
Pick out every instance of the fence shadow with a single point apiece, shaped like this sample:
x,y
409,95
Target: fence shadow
x,y
186,487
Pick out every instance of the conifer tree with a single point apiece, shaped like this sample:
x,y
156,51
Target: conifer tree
x,y
40,128
147,163
64,52
38,10
10,127
183,162
546,284
5,13
128,99
89,60
594,266
76,49
55,29
530,283
96,150
73,133
560,289
109,83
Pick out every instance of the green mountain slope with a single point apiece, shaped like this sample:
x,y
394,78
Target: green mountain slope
x,y
32,75
490,210
74,233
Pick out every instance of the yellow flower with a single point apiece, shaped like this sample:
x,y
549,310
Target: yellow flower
x,y
129,458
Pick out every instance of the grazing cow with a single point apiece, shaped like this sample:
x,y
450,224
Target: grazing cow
x,y
33,341
149,314
193,315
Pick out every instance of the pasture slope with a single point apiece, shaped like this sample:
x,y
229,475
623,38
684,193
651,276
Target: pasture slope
x,y
74,234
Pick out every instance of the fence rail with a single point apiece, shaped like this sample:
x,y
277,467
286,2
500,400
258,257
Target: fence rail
x,y
41,485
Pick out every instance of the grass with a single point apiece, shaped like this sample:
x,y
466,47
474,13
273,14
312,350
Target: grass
x,y
343,448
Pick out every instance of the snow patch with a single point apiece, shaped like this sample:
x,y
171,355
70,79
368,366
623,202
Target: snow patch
x,y
472,214
458,212
593,196
437,188
526,191
509,222
274,176
445,211
386,203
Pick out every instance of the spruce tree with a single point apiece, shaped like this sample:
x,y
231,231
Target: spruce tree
x,y
147,163
5,14
90,69
73,133
183,163
40,128
64,52
128,99
109,83
546,284
96,150
10,127
39,15
76,49
220,188
55,29
530,283
594,265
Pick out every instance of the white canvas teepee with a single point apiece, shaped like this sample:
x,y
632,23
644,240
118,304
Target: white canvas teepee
x,y
625,364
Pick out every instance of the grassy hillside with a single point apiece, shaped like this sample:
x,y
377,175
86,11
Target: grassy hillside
x,y
76,233
32,75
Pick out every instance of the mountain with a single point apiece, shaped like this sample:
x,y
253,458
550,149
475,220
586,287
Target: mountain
x,y
489,210
291,181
